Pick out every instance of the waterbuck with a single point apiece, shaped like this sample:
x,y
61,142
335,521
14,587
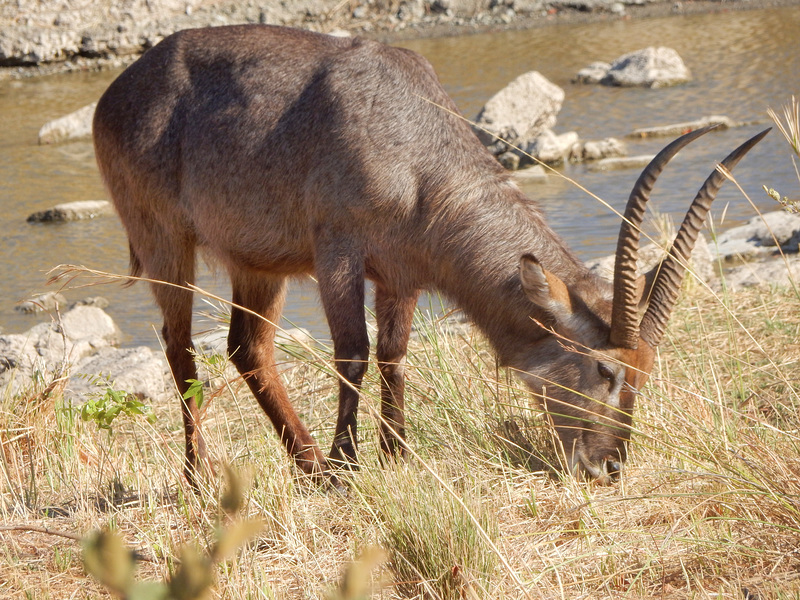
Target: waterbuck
x,y
283,153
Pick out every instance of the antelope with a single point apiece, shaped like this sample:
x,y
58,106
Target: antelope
x,y
282,153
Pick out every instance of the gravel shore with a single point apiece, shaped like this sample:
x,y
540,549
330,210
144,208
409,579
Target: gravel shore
x,y
54,36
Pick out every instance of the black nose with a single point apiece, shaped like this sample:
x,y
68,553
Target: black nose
x,y
613,468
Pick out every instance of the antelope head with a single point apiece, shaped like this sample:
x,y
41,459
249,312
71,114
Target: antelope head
x,y
601,351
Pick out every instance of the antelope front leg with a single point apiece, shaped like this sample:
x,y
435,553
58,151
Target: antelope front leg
x,y
394,314
251,348
341,286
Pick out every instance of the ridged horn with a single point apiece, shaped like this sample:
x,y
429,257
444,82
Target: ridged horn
x,y
670,275
624,311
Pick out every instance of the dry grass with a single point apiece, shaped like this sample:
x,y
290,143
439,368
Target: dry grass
x,y
709,505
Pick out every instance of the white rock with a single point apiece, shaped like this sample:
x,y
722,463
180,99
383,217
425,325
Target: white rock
x,y
594,73
138,371
89,323
622,162
551,148
50,347
215,342
597,150
520,111
73,211
760,235
41,303
534,173
648,67
722,122
701,262
75,125
774,271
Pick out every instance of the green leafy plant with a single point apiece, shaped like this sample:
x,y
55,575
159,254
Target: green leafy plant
x,y
104,409
196,390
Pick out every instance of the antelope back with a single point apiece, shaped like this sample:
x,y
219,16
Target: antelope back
x,y
231,132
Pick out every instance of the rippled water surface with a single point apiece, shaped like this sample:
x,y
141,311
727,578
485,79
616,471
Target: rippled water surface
x,y
742,62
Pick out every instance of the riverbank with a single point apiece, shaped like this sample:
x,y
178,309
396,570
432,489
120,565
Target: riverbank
x,y
40,38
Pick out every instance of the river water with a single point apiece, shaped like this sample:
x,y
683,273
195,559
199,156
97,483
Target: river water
x,y
742,63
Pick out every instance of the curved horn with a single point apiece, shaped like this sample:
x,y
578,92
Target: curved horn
x,y
624,314
670,276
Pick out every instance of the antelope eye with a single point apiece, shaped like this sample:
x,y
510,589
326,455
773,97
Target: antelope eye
x,y
605,372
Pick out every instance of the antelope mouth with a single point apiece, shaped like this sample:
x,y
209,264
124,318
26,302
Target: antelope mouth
x,y
606,472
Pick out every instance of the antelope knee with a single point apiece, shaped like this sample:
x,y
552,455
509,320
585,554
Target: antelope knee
x,y
393,368
353,368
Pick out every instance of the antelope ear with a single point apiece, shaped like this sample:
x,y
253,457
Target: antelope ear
x,y
545,290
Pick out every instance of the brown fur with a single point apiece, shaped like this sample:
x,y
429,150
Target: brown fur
x,y
280,153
